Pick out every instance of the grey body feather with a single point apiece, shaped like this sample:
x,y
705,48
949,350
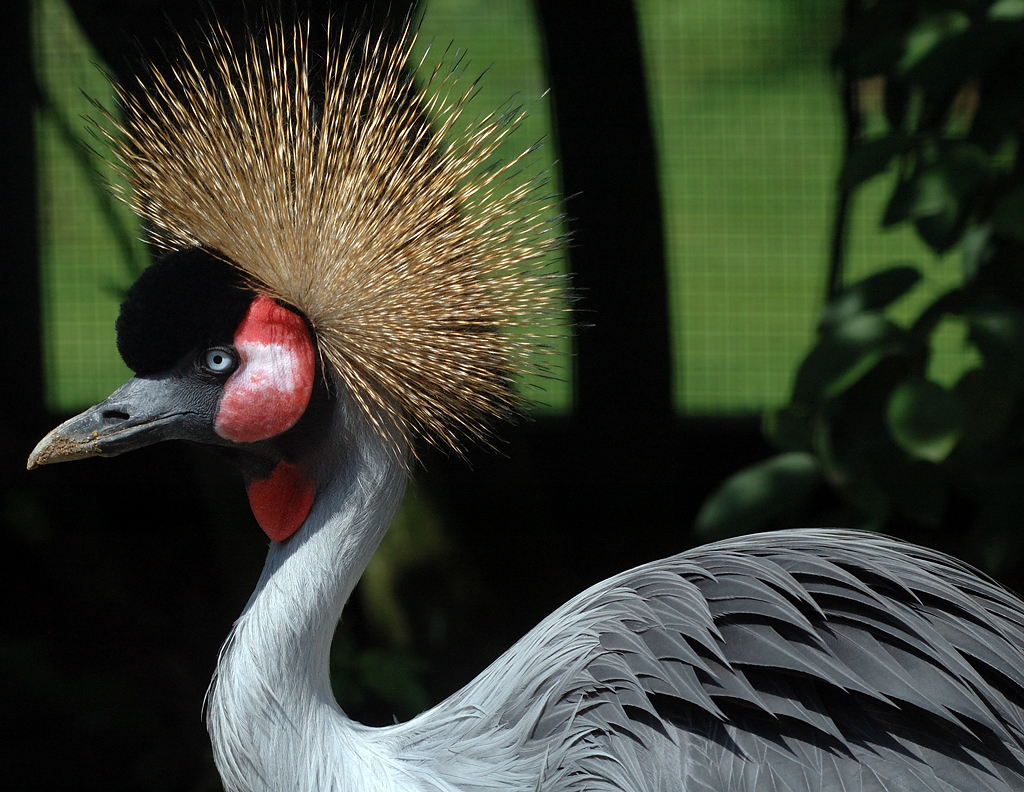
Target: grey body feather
x,y
798,660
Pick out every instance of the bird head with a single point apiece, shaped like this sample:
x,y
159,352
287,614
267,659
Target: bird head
x,y
327,247
215,362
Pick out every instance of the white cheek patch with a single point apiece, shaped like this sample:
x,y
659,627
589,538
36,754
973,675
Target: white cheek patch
x,y
269,391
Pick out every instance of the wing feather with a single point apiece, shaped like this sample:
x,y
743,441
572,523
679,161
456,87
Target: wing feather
x,y
797,660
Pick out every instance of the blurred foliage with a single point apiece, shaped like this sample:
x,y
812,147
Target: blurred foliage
x,y
381,676
388,677
933,89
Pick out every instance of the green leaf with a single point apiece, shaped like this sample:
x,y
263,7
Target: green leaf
x,y
966,166
939,232
1008,217
931,199
871,158
974,247
1006,9
901,204
846,352
925,194
933,195
929,33
997,330
874,293
957,54
925,419
788,428
753,498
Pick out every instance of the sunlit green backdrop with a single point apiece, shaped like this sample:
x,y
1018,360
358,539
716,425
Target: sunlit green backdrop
x,y
748,136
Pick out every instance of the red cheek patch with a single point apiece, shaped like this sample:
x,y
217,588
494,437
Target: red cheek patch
x,y
281,502
269,391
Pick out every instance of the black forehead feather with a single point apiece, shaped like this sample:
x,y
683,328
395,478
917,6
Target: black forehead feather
x,y
187,300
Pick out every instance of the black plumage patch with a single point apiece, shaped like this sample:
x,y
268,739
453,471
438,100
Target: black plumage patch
x,y
188,300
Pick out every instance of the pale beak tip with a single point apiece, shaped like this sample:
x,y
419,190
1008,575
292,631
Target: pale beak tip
x,y
44,450
56,447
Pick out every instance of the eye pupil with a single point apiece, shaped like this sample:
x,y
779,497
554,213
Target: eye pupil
x,y
218,361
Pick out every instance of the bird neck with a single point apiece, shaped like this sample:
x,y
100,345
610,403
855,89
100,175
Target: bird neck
x,y
272,717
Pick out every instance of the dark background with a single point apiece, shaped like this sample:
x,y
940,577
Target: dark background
x,y
122,576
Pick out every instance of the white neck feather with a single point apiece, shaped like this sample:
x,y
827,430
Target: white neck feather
x,y
271,714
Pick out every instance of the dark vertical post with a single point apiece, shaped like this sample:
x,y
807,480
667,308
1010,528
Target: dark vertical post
x,y
21,395
617,462
609,169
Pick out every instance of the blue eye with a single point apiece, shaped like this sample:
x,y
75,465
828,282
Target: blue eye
x,y
219,360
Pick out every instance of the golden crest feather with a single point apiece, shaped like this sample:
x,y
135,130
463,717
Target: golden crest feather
x,y
421,266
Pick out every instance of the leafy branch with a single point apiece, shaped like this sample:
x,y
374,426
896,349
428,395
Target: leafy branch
x,y
933,90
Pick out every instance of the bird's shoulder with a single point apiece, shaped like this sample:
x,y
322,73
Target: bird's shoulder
x,y
813,640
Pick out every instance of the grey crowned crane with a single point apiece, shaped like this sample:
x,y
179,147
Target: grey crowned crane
x,y
339,281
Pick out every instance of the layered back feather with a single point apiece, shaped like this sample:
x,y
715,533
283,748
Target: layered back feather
x,y
420,264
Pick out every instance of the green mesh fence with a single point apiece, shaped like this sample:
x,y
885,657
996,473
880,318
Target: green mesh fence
x,y
502,37
748,131
88,242
749,134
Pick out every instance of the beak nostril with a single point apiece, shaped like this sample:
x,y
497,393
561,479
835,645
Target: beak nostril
x,y
109,417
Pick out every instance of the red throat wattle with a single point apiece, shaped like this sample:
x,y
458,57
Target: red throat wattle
x,y
266,396
281,502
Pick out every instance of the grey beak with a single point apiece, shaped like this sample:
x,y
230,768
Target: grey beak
x,y
143,411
